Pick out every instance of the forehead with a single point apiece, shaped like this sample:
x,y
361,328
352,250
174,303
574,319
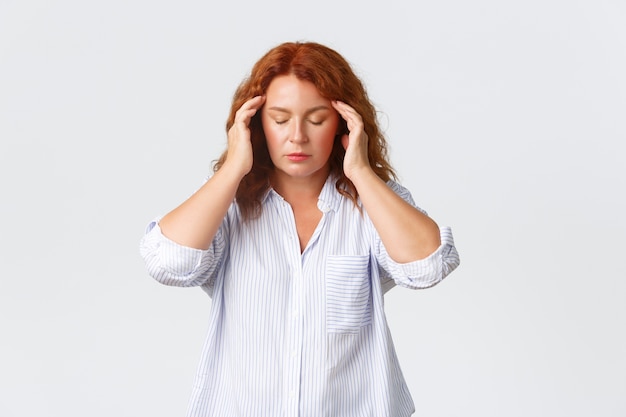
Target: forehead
x,y
290,90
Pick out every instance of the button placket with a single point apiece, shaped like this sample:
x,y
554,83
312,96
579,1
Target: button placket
x,y
293,360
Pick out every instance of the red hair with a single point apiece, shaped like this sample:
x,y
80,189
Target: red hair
x,y
334,78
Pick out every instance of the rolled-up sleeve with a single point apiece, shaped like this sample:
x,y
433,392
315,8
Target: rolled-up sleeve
x,y
423,273
173,264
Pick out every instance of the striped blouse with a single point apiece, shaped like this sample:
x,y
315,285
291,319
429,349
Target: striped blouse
x,y
291,333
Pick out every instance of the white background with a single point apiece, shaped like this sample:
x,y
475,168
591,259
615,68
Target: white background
x,y
506,120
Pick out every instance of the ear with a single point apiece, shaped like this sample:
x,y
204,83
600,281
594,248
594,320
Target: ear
x,y
342,127
345,140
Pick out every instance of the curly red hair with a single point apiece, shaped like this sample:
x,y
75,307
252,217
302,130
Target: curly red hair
x,y
334,78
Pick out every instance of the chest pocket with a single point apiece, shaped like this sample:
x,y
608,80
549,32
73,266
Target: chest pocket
x,y
348,304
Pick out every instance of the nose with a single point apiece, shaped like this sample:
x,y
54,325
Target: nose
x,y
298,135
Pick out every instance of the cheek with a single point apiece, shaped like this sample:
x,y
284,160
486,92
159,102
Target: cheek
x,y
328,137
271,135
265,125
270,140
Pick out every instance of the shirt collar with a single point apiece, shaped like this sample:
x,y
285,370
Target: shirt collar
x,y
329,198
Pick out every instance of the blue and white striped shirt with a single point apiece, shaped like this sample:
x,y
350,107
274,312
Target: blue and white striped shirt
x,y
291,333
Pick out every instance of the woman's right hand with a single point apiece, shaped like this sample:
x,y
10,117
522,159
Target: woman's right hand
x,y
195,222
239,155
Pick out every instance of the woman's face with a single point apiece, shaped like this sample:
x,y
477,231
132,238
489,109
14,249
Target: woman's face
x,y
300,127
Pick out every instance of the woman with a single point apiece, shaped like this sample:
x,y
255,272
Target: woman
x,y
296,237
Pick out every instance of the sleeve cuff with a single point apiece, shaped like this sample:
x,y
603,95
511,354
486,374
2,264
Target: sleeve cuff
x,y
425,273
174,264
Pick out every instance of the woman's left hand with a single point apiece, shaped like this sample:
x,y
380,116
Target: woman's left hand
x,y
354,142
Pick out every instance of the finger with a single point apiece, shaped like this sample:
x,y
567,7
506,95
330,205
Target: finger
x,y
349,114
255,102
249,109
344,109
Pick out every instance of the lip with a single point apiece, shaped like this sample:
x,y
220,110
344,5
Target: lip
x,y
297,156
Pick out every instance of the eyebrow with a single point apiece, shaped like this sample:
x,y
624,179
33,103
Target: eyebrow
x,y
309,111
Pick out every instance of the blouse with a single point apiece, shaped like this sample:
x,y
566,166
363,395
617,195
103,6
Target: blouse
x,y
291,332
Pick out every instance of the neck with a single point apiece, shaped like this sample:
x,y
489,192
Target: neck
x,y
298,190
